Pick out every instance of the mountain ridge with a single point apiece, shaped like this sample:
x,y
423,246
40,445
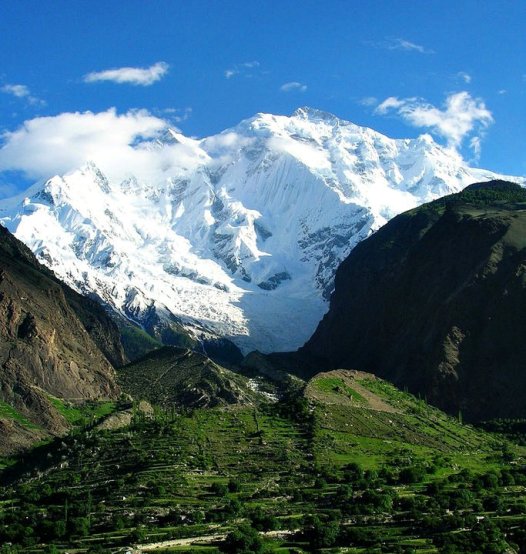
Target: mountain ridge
x,y
242,237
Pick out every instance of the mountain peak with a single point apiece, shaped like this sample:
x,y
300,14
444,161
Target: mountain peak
x,y
236,235
314,114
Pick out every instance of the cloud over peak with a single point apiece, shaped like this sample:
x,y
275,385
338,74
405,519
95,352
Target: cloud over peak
x,y
142,76
46,146
461,115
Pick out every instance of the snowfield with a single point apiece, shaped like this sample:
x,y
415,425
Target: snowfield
x,y
243,237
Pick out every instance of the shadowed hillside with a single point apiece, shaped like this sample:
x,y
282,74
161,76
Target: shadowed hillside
x,y
435,301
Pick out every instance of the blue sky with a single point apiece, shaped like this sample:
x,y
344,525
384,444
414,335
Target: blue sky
x,y
454,69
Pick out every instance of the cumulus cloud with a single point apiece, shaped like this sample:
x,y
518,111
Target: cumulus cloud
x,y
143,76
461,115
247,69
22,91
293,86
120,144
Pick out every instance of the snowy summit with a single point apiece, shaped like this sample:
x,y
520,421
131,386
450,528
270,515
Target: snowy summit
x,y
235,235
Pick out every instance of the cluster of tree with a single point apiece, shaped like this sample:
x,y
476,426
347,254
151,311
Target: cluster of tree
x,y
513,429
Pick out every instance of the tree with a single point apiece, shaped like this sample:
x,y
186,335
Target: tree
x,y
219,489
243,540
80,526
324,534
233,486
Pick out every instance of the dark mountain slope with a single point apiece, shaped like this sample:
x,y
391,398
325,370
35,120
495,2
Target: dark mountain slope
x,y
436,301
52,343
172,376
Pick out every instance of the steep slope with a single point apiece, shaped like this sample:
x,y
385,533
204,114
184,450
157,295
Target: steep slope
x,y
435,301
350,404
241,236
178,377
49,346
101,329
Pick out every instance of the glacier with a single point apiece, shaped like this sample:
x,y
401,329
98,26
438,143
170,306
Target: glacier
x,y
241,236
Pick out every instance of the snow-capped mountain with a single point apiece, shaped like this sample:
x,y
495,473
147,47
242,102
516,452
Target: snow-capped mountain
x,y
243,237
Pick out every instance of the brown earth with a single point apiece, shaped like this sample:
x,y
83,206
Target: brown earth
x,y
45,347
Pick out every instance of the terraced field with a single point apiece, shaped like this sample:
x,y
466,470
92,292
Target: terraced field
x,y
351,465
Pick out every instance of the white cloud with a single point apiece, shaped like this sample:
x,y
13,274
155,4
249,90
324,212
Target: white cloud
x,y
461,116
143,76
293,86
178,114
368,101
502,91
223,143
120,144
22,91
400,44
247,69
390,103
404,44
475,145
466,77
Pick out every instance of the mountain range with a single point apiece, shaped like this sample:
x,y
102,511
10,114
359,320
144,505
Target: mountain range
x,y
242,236
291,451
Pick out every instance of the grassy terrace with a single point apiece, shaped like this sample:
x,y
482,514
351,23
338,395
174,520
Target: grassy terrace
x,y
8,412
321,472
82,414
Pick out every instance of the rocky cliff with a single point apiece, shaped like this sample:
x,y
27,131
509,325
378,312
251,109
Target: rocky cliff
x,y
53,344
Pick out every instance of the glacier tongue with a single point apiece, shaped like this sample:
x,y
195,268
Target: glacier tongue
x,y
243,237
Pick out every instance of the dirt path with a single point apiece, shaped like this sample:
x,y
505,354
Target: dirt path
x,y
204,539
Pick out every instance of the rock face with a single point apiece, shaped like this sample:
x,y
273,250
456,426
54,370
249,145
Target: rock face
x,y
102,330
178,377
240,236
53,342
435,301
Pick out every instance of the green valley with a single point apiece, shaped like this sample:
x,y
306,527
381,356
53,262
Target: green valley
x,y
347,463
